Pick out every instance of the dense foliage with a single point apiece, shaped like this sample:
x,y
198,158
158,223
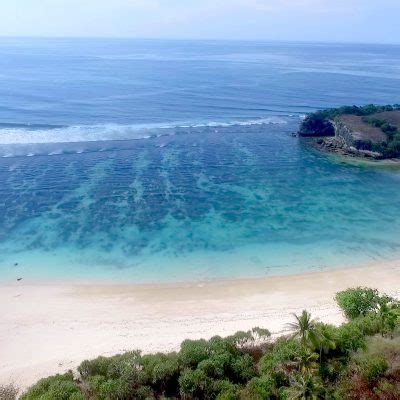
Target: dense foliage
x,y
319,124
392,148
359,359
369,109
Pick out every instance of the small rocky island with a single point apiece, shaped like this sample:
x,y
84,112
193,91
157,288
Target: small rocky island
x,y
370,131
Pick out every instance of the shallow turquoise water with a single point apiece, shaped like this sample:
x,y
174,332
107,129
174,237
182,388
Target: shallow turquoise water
x,y
209,203
140,164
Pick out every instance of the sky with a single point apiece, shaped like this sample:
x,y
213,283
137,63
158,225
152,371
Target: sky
x,y
369,21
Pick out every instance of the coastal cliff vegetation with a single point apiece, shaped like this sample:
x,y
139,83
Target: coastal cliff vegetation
x,y
358,360
386,119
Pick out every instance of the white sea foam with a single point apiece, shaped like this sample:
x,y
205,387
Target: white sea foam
x,y
93,133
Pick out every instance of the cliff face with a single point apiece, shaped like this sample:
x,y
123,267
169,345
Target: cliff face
x,y
343,133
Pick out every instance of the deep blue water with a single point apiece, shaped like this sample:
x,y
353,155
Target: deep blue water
x,y
173,160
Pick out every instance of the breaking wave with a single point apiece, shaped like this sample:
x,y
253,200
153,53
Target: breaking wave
x,y
36,134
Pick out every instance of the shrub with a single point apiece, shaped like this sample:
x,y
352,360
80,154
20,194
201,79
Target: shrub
x,y
123,381
162,372
387,390
125,387
98,366
242,368
394,146
119,377
193,383
193,351
249,339
226,390
284,350
388,128
215,366
363,145
103,389
374,121
350,338
107,366
259,388
60,387
373,367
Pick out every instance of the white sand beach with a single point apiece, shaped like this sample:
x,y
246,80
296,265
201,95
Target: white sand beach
x,y
47,328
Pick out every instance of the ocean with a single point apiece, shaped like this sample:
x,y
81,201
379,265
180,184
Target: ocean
x,y
153,161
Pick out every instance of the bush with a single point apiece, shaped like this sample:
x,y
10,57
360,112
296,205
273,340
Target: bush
x,y
128,386
193,352
123,381
223,366
108,366
373,367
284,350
394,145
259,388
194,383
60,387
387,390
226,390
364,145
250,339
350,338
162,372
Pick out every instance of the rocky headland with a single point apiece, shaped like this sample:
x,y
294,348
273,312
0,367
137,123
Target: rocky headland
x,y
368,132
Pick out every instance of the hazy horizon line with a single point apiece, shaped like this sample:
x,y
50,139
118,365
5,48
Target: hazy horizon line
x,y
344,42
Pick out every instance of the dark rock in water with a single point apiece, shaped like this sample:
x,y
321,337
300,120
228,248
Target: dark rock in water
x,y
316,125
15,264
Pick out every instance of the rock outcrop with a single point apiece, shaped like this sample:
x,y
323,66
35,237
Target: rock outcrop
x,y
351,134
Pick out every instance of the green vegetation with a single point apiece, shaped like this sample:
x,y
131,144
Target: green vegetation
x,y
358,302
392,148
60,387
358,360
362,111
320,124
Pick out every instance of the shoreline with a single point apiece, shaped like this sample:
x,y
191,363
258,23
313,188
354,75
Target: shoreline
x,y
50,327
351,158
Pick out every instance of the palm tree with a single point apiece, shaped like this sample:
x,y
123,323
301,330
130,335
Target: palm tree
x,y
307,361
325,336
387,316
304,328
304,387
